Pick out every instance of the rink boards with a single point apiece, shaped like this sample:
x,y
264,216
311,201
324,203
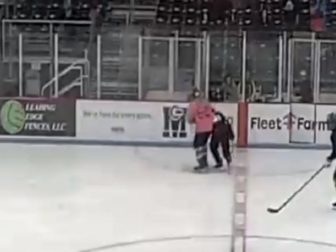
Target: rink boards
x,y
158,123
288,124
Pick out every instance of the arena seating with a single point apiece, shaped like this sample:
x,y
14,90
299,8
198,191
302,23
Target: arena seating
x,y
53,9
77,10
257,14
267,16
33,9
222,13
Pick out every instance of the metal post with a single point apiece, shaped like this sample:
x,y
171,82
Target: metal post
x,y
56,65
243,77
81,87
10,52
317,69
313,62
290,70
284,66
3,39
20,66
171,64
51,32
198,63
280,66
87,72
207,64
99,66
176,55
51,53
140,92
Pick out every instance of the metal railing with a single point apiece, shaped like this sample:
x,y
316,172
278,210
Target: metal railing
x,y
76,83
79,65
54,81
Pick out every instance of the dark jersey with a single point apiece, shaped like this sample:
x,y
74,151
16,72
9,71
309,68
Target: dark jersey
x,y
222,129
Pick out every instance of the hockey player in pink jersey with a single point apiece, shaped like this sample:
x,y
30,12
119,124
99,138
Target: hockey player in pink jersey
x,y
201,113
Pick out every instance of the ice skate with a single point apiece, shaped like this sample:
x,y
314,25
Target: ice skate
x,y
329,160
333,205
200,168
203,165
218,165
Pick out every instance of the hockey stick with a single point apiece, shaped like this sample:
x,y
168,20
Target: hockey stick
x,y
283,205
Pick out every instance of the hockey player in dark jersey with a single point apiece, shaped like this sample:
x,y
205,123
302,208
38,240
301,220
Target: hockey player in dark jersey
x,y
222,134
331,120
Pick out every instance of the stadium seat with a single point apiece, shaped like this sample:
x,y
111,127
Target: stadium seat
x,y
274,14
80,9
56,9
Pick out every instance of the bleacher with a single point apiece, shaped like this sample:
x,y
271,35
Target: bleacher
x,y
121,22
223,14
77,23
80,9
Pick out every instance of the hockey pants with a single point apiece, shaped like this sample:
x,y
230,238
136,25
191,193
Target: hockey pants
x,y
200,146
225,144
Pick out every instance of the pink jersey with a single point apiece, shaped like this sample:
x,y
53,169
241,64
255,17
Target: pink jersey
x,y
202,114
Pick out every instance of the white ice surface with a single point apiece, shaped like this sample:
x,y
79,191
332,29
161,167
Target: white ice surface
x,y
76,198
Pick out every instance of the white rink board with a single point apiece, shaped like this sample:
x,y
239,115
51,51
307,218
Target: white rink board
x,y
138,121
303,116
120,121
266,124
289,123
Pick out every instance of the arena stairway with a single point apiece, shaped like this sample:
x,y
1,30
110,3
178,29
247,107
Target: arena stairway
x,y
119,63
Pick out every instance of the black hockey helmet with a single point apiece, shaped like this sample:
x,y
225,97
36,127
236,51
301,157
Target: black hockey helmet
x,y
219,117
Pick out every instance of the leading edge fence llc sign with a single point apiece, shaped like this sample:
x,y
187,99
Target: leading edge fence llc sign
x,y
37,117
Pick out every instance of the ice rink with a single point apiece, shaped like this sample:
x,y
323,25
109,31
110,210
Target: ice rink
x,y
107,198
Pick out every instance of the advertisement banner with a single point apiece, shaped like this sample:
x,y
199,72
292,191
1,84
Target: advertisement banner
x,y
133,121
302,118
284,123
269,123
138,121
174,123
29,117
117,121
